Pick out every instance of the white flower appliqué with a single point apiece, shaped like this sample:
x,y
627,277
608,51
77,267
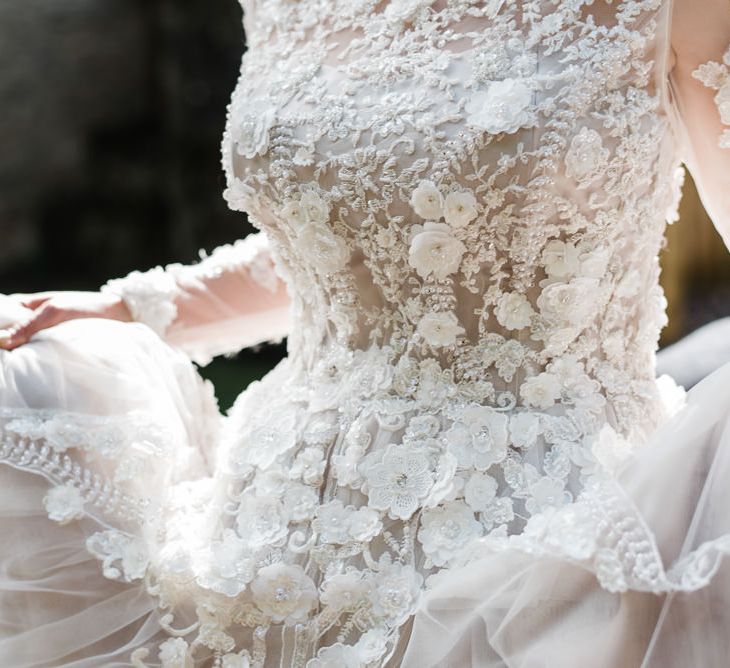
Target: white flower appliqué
x,y
560,259
329,252
338,524
541,391
569,303
261,520
524,429
284,592
336,656
610,449
547,492
64,504
400,481
251,132
395,591
478,437
402,11
445,530
514,311
440,329
427,201
503,107
309,216
480,491
309,465
586,159
434,251
460,208
344,591
174,653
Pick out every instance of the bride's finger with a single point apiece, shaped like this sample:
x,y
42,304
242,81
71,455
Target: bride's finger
x,y
21,333
5,335
32,300
9,337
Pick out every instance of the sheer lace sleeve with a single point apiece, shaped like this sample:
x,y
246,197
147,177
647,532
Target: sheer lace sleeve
x,y
699,84
231,299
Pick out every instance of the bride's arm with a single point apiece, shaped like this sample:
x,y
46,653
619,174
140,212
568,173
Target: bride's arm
x,y
231,299
699,84
699,88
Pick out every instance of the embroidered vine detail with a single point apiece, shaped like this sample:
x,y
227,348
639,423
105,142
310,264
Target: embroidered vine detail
x,y
717,76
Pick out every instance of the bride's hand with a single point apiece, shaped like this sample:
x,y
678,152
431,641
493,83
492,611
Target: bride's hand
x,y
52,308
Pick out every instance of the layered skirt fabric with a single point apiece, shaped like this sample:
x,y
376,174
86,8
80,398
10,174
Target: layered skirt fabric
x,y
521,603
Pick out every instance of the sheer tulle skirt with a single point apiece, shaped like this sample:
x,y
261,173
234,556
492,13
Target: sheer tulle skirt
x,y
506,608
516,609
56,606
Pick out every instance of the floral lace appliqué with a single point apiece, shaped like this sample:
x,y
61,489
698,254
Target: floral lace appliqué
x,y
717,76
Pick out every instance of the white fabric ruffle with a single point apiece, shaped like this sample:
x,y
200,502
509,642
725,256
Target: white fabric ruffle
x,y
506,607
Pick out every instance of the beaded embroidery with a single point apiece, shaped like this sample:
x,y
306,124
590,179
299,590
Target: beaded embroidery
x,y
717,76
466,200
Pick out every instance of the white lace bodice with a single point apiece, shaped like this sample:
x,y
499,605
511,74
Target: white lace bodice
x,y
480,184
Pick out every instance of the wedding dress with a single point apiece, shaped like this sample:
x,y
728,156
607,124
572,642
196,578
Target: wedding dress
x,y
466,459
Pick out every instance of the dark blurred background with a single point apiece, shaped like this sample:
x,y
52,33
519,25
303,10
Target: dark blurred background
x,y
111,115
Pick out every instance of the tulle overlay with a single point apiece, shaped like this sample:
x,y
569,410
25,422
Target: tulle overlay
x,y
664,513
609,579
76,409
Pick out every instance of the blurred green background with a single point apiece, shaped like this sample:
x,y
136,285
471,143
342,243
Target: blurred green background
x,y
111,115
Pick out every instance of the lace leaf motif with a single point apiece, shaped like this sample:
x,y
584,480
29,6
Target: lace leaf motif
x,y
717,76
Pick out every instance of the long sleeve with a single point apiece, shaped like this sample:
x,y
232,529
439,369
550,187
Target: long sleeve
x,y
699,85
231,299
